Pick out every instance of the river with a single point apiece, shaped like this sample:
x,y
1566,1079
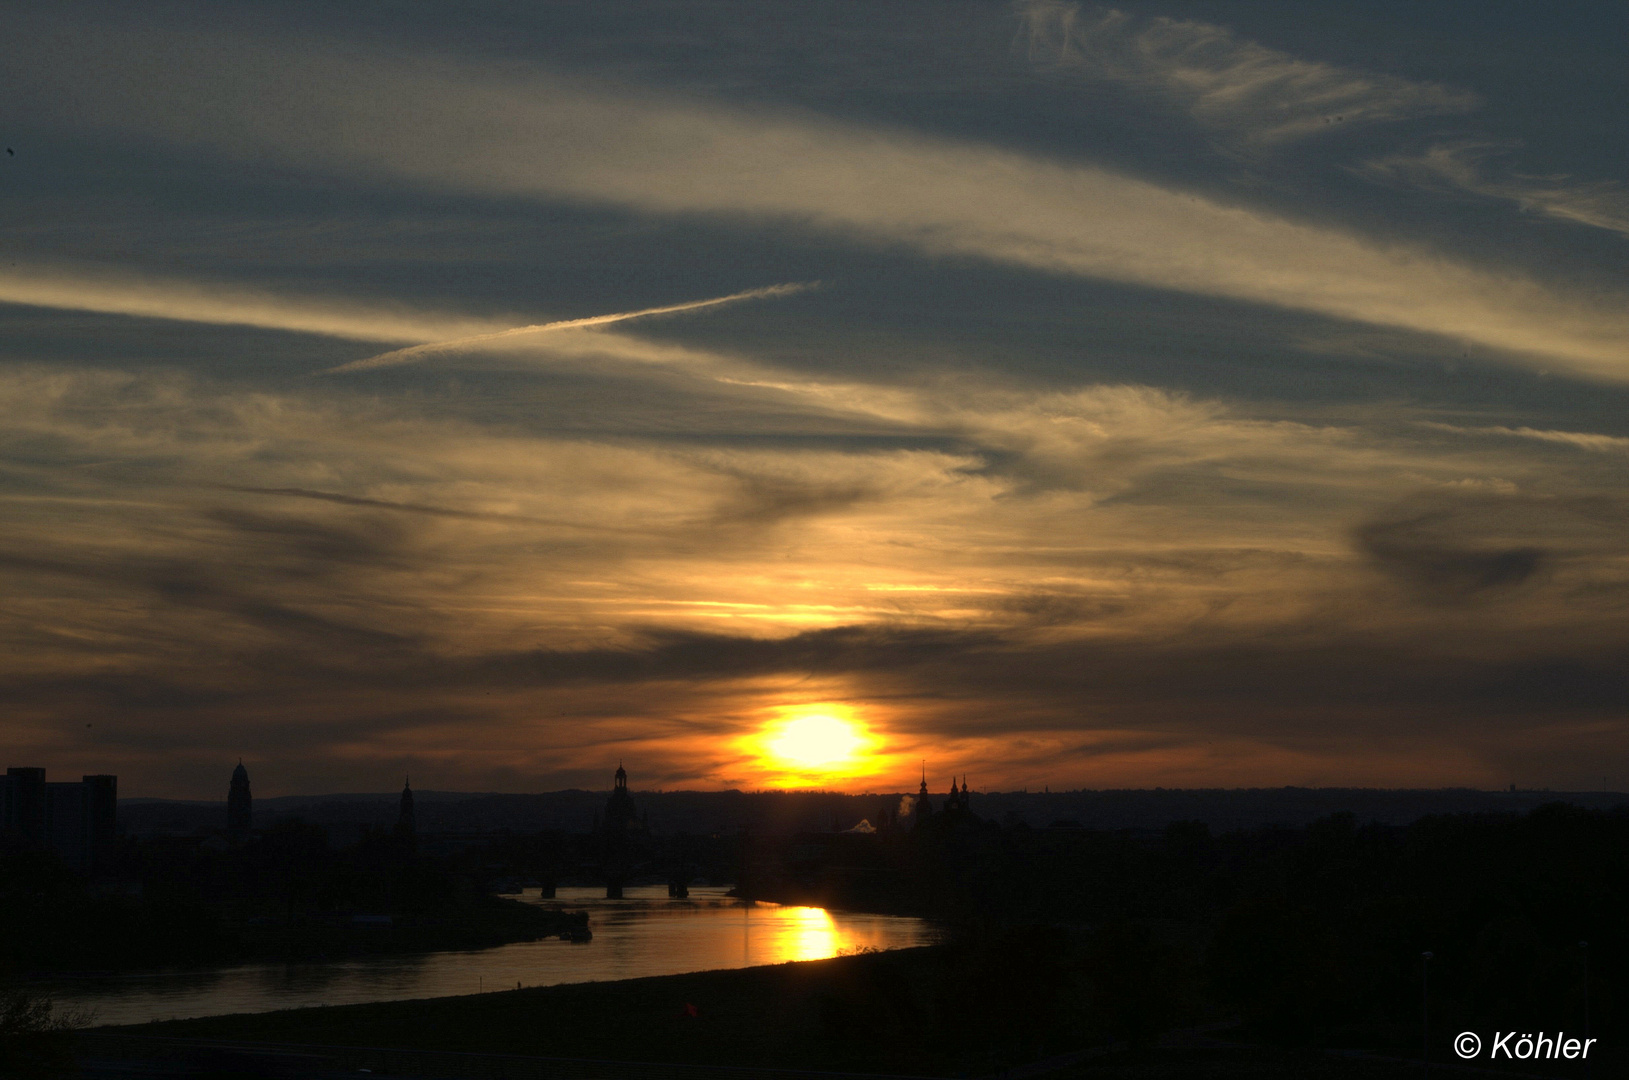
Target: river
x,y
644,934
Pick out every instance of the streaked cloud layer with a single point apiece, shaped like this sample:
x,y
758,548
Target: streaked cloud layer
x,y
1600,204
158,296
415,353
458,127
1259,94
1090,462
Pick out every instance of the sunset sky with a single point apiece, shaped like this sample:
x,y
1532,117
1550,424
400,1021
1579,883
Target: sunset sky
x,y
1179,394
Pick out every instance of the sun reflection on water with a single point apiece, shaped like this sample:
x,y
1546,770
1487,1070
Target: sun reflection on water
x,y
805,933
643,935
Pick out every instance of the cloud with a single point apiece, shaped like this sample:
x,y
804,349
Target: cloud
x,y
343,578
532,134
1020,556
1454,548
1460,167
420,352
1579,440
123,291
1410,550
1238,87
416,508
140,294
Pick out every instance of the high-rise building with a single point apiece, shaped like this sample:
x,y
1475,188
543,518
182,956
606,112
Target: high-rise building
x,y
22,806
239,803
72,821
101,807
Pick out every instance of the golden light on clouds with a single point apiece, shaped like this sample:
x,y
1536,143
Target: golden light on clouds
x,y
815,744
1132,468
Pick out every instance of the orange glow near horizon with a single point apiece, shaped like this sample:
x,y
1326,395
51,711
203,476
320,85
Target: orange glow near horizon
x,y
814,744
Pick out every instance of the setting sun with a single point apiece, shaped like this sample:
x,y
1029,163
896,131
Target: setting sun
x,y
815,743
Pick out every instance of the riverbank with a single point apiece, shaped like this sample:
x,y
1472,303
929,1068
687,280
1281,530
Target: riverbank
x,y
262,903
482,923
875,1012
138,937
907,1012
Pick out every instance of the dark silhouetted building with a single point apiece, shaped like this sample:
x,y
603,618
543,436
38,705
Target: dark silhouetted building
x,y
24,806
101,807
620,814
73,821
407,824
618,831
955,812
239,803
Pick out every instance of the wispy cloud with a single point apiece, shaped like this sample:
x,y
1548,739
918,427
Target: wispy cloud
x,y
420,352
1459,547
557,139
124,291
367,563
418,508
1240,87
1580,440
1461,166
1032,550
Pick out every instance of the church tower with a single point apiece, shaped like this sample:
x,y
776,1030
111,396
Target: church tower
x,y
239,803
617,832
407,826
923,807
620,813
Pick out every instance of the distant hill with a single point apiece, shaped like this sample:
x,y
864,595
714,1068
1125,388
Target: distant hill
x,y
1222,809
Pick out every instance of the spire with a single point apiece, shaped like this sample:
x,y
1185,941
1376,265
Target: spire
x,y
407,825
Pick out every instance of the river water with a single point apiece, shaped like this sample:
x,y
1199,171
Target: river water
x,y
644,934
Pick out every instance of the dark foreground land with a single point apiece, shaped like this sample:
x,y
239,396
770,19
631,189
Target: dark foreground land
x,y
1141,949
886,1012
968,1009
911,1012
284,895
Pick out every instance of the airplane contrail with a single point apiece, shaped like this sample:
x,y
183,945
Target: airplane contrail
x,y
415,352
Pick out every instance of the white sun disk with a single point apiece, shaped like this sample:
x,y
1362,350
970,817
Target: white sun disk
x,y
816,741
